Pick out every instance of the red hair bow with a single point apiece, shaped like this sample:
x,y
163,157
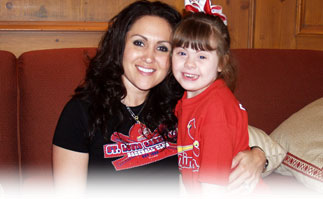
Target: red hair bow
x,y
206,7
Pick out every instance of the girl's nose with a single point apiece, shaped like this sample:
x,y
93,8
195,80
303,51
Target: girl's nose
x,y
189,63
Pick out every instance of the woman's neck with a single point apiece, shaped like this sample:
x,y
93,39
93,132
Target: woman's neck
x,y
135,96
133,101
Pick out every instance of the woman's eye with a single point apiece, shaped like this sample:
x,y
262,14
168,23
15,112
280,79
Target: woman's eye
x,y
162,48
138,43
202,57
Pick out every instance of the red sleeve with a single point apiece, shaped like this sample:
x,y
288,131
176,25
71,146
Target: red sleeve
x,y
220,143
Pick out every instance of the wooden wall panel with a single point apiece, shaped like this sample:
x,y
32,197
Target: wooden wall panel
x,y
37,24
65,10
309,24
60,10
19,42
44,24
240,21
310,18
275,24
290,24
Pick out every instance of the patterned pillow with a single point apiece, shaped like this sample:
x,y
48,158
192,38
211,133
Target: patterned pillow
x,y
302,135
275,153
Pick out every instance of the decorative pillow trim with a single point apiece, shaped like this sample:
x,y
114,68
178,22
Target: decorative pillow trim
x,y
303,167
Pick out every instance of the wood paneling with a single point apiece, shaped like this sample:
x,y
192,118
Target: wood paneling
x,y
60,10
66,10
275,24
309,17
52,26
23,20
309,24
19,42
291,24
42,24
240,21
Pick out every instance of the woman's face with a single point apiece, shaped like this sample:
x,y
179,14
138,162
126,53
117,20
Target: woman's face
x,y
146,59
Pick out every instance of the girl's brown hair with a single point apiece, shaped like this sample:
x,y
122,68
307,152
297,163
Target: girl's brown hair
x,y
200,31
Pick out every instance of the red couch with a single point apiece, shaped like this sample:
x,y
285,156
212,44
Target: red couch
x,y
272,85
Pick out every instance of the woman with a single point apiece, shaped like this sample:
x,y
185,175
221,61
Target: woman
x,y
119,127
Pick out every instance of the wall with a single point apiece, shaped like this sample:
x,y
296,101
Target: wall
x,y
40,24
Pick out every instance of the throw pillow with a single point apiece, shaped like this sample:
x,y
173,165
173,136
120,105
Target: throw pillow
x,y
302,135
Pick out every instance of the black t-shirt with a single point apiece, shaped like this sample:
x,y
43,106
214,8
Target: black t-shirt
x,y
128,159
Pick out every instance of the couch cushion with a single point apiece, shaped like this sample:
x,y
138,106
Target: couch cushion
x,y
273,83
287,187
8,119
302,136
47,81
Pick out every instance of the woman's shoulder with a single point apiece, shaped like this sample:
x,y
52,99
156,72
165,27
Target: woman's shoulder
x,y
75,109
72,127
76,103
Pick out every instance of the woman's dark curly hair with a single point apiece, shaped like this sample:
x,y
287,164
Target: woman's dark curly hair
x,y
103,88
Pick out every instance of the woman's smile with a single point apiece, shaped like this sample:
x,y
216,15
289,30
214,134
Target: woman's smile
x,y
146,58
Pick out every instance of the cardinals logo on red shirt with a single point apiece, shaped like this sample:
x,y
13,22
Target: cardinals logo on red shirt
x,y
188,153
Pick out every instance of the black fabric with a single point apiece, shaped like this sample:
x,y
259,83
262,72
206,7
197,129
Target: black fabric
x,y
72,133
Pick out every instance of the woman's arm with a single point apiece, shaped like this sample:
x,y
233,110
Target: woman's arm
x,y
249,166
69,171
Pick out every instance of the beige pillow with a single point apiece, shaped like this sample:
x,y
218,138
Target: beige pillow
x,y
302,135
275,153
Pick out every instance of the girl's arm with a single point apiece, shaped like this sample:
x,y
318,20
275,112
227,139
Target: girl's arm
x,y
69,171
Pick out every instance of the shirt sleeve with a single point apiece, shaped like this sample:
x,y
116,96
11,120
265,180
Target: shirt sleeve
x,y
221,141
72,127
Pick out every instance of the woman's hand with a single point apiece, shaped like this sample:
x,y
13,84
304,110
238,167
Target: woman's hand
x,y
249,166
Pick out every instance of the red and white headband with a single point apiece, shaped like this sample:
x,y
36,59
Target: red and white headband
x,y
206,7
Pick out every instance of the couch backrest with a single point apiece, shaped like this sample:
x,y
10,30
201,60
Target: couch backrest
x,y
47,79
9,170
273,84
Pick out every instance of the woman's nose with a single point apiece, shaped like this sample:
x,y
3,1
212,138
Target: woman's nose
x,y
149,56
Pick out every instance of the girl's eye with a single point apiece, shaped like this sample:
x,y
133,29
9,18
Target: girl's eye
x,y
138,43
181,53
202,57
162,48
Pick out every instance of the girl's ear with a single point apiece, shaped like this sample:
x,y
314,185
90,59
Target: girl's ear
x,y
219,69
223,62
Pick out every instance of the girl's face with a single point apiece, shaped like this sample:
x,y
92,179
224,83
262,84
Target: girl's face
x,y
195,70
146,59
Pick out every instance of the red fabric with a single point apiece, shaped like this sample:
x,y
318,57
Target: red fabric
x,y
274,83
47,79
212,129
8,120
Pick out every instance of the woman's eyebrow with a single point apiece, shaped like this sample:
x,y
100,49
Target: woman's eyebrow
x,y
165,42
138,35
145,38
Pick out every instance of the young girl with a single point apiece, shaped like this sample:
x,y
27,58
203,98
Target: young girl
x,y
212,125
